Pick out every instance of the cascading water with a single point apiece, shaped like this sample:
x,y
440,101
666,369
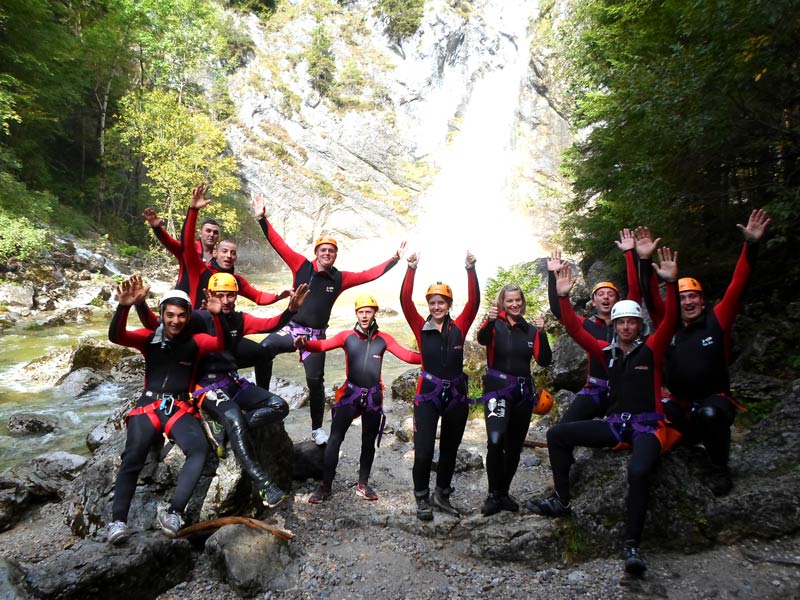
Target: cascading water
x,y
471,204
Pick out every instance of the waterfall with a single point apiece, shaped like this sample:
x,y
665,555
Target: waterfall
x,y
471,203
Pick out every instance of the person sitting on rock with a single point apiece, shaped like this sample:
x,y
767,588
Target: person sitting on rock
x,y
325,284
360,395
592,400
509,393
635,416
442,385
171,355
696,368
231,400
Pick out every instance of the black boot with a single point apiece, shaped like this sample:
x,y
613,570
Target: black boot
x,y
441,500
491,506
634,562
549,507
508,502
424,511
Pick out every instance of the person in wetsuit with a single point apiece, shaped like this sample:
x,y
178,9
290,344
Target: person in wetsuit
x,y
360,395
592,400
442,385
172,355
325,284
509,392
696,368
231,400
194,272
205,246
635,416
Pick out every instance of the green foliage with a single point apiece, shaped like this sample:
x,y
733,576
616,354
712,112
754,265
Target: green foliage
x,y
321,64
402,18
527,278
688,107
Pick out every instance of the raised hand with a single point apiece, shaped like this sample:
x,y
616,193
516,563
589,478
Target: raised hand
x,y
645,244
554,263
212,303
539,323
285,294
756,225
199,199
413,260
667,268
565,280
469,262
626,240
493,310
298,297
400,251
259,206
126,296
151,217
139,290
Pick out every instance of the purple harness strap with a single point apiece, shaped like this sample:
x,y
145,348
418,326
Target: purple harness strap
x,y
365,399
232,378
297,330
596,389
447,393
513,382
626,427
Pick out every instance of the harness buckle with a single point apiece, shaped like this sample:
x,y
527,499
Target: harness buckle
x,y
625,420
167,403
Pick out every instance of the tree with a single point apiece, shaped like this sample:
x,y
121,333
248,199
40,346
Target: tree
x,y
692,110
402,18
321,64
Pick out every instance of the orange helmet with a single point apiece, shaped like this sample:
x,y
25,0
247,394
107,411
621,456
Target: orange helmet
x,y
604,284
544,403
325,239
365,300
439,288
223,282
689,284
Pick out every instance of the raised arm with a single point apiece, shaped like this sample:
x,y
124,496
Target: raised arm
x,y
414,319
554,265
117,330
161,234
467,316
648,280
541,345
253,294
188,249
667,270
486,331
352,279
292,259
572,322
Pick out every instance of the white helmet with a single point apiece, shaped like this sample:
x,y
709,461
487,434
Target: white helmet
x,y
178,298
626,308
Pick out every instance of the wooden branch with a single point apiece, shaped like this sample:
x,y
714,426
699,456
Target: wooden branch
x,y
283,534
534,444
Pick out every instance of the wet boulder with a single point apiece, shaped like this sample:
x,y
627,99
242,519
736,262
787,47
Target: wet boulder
x,y
80,381
15,497
49,475
17,295
404,387
100,355
21,424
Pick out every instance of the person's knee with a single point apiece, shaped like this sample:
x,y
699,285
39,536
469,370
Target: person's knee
x,y
234,421
279,406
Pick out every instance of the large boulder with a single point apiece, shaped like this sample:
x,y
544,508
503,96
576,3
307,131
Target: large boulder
x,y
18,295
252,561
569,367
15,497
404,387
49,475
146,566
31,424
100,355
77,382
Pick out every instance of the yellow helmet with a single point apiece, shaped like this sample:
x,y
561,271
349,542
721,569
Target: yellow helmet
x,y
439,288
604,284
325,239
544,403
223,282
689,284
365,300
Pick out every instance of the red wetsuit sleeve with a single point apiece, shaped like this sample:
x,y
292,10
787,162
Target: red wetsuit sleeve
x,y
659,341
634,288
541,349
253,294
401,352
253,324
293,259
415,320
336,341
574,326
146,315
350,279
169,242
118,331
731,302
467,316
194,264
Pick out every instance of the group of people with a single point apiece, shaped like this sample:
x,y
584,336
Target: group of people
x,y
196,344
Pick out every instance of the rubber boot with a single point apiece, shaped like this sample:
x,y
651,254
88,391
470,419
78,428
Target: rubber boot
x,y
441,500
